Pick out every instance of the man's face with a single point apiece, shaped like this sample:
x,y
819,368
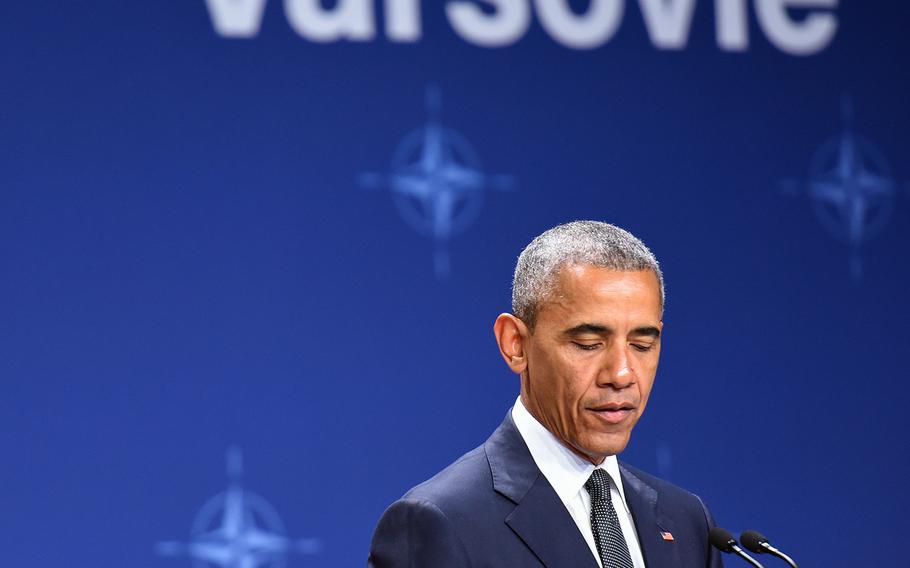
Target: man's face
x,y
592,357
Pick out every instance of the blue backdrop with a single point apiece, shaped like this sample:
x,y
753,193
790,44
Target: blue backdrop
x,y
252,252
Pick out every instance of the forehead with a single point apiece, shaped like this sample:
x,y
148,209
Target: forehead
x,y
591,292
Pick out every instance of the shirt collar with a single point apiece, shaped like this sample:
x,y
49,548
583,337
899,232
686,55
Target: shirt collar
x,y
565,471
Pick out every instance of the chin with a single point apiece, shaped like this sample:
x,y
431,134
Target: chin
x,y
611,446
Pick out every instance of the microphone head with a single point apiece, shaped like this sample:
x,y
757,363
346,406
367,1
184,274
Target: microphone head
x,y
721,539
753,540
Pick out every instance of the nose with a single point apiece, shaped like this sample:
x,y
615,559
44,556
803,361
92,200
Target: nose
x,y
617,370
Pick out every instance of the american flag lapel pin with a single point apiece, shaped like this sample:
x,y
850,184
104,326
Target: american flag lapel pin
x,y
666,535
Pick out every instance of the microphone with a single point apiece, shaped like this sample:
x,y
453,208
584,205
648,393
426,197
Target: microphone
x,y
758,543
722,540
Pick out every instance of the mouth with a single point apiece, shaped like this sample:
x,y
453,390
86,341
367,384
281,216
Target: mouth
x,y
613,413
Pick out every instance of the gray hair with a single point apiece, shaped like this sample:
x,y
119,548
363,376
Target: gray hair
x,y
577,243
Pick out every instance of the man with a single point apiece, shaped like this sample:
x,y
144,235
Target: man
x,y
546,488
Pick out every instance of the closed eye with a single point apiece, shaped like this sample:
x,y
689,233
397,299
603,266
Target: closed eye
x,y
586,346
643,347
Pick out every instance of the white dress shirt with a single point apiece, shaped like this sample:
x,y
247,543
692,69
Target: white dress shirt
x,y
567,473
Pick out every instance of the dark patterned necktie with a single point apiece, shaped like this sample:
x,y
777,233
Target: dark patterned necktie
x,y
611,545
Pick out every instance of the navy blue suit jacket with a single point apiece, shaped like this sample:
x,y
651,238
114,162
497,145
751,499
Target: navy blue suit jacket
x,y
493,508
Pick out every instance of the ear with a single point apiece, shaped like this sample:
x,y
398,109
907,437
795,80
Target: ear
x,y
512,336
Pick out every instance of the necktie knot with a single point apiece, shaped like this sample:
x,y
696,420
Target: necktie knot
x,y
598,485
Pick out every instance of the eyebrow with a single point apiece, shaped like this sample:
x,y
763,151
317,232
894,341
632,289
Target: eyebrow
x,y
648,330
587,328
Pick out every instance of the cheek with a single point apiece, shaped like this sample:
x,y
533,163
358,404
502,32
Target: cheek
x,y
566,386
647,368
645,390
578,380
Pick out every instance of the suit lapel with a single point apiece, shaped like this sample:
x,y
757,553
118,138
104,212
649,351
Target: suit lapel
x,y
650,523
543,523
539,519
